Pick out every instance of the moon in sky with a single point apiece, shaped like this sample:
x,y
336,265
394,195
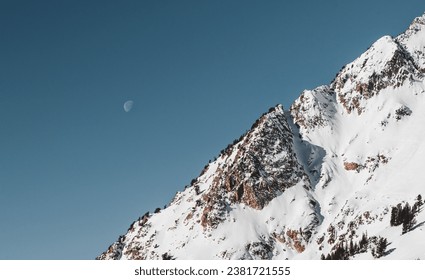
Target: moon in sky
x,y
128,105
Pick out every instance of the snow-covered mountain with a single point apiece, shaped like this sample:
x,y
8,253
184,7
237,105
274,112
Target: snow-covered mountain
x,y
339,175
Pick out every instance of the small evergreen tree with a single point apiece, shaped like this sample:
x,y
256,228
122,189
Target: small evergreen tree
x,y
395,213
197,190
381,247
340,253
404,216
363,243
418,204
167,256
408,218
352,249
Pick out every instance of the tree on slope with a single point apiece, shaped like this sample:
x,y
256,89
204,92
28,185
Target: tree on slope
x,y
408,217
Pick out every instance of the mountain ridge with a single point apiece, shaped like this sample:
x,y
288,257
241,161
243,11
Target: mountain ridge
x,y
311,182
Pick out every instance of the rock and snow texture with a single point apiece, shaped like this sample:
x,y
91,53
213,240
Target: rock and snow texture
x,y
321,179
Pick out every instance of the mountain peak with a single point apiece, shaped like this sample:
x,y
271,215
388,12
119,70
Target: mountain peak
x,y
413,41
314,108
386,64
417,24
325,179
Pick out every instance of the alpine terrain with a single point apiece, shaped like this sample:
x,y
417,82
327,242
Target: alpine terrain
x,y
339,175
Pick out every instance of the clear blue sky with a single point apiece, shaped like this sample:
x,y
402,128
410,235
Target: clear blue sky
x,y
76,169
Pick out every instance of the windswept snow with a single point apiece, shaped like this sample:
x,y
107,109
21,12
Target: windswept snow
x,y
305,181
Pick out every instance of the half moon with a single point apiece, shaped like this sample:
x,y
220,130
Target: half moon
x,y
128,105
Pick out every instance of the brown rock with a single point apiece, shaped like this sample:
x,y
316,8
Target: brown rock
x,y
351,166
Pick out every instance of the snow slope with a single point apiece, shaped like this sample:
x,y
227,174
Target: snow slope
x,y
304,183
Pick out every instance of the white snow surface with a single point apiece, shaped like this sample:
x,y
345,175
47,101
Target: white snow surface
x,y
359,166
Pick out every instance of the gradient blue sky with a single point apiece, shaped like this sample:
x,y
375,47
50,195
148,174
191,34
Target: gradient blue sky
x,y
76,169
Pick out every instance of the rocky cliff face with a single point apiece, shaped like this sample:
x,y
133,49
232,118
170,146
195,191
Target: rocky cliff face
x,y
247,177
320,180
255,170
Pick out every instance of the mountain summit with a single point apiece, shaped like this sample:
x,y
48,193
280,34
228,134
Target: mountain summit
x,y
337,176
